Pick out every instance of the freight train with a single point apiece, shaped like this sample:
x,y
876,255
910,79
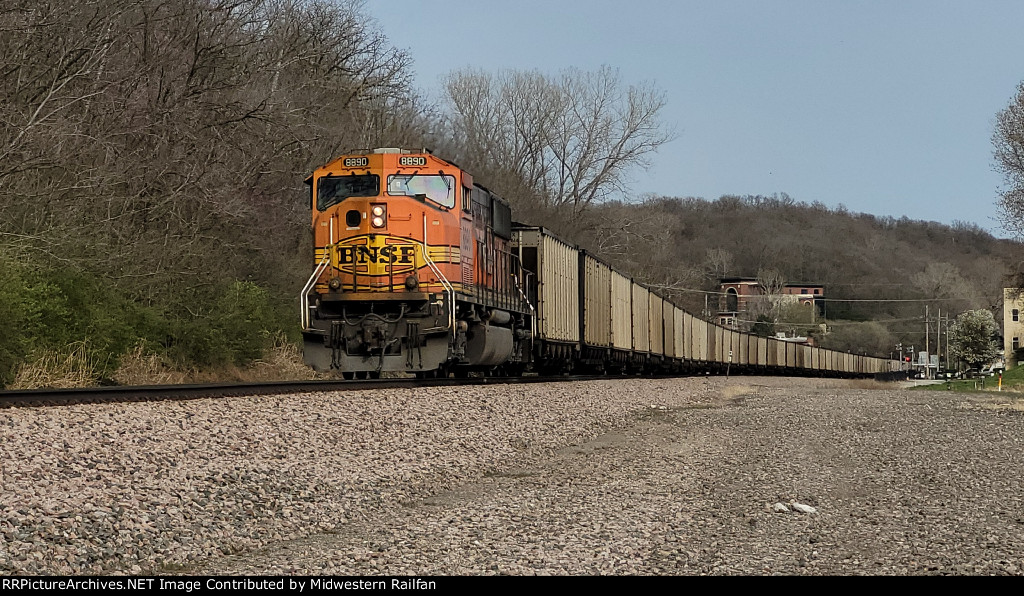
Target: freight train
x,y
419,269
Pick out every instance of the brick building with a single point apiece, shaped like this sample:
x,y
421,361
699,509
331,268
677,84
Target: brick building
x,y
740,296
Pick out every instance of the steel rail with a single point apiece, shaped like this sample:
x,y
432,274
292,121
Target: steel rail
x,y
121,394
134,393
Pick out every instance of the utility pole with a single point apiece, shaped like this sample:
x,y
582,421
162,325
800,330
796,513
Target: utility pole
x,y
947,340
927,356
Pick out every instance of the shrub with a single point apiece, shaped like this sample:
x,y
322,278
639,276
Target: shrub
x,y
236,327
50,318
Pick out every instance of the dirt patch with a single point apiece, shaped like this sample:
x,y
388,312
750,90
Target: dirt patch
x,y
998,402
605,441
870,384
734,395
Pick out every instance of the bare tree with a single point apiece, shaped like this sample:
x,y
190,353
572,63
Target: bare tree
x,y
574,137
944,280
1008,142
772,284
868,337
718,262
161,144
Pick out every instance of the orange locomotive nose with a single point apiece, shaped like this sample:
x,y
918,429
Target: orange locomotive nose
x,y
410,254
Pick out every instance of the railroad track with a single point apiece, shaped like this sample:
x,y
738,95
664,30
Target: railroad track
x,y
118,394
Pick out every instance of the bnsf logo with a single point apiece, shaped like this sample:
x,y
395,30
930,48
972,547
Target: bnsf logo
x,y
363,255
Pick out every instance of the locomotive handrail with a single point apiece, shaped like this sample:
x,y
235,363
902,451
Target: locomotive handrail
x,y
304,296
449,288
533,311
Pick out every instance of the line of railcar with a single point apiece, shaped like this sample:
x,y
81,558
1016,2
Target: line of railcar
x,y
592,317
419,269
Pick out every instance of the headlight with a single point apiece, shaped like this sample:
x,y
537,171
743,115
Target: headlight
x,y
379,215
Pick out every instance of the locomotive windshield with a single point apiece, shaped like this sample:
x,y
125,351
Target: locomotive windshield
x,y
438,188
332,190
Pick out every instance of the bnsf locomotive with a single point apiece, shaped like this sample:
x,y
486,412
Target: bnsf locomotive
x,y
420,270
414,270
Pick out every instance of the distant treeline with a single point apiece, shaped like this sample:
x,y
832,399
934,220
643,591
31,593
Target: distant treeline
x,y
879,269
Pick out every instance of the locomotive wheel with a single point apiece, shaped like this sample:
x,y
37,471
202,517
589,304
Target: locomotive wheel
x,y
348,375
374,374
361,375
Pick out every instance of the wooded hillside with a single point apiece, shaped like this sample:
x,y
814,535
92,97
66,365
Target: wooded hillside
x,y
151,165
874,268
152,157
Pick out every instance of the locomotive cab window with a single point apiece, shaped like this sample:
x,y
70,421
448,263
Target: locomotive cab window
x,y
331,190
439,188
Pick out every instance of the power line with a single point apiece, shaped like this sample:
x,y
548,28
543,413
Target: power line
x,y
831,322
856,284
821,297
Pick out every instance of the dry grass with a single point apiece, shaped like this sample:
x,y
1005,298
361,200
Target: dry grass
x,y
73,366
140,367
282,362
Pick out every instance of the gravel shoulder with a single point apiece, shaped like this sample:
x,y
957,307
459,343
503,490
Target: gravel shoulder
x,y
613,477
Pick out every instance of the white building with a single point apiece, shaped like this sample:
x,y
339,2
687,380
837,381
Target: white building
x,y
1013,324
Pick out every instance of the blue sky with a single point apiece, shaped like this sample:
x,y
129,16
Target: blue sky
x,y
886,107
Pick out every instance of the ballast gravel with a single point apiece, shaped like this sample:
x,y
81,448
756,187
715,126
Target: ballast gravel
x,y
629,476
